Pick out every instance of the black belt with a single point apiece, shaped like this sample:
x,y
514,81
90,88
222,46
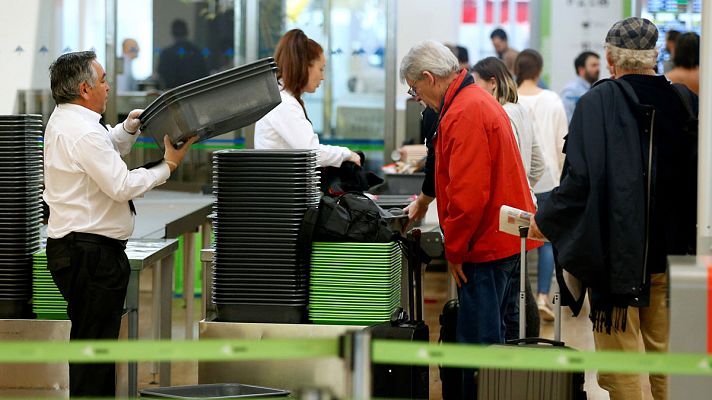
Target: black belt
x,y
94,238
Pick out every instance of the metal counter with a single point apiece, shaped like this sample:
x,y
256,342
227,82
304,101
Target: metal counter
x,y
327,373
690,320
170,214
158,253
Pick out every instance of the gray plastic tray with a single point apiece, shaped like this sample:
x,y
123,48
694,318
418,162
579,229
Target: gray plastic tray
x,y
213,391
211,111
400,184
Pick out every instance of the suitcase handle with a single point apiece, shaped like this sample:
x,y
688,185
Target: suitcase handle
x,y
554,343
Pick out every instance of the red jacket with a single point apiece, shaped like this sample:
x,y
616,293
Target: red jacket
x,y
478,168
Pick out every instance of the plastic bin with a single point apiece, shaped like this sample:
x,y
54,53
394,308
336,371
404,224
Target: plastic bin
x,y
213,391
220,79
208,81
400,184
214,105
388,201
262,313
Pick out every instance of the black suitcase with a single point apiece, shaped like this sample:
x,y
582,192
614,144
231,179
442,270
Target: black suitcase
x,y
450,378
501,384
404,381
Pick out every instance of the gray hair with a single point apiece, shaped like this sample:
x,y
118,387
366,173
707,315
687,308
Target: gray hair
x,y
632,59
428,56
68,72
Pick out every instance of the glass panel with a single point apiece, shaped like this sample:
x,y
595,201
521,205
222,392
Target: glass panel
x,y
194,39
355,78
308,15
203,43
358,77
134,33
678,15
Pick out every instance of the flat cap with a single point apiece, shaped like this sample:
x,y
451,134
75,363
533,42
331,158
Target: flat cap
x,y
633,33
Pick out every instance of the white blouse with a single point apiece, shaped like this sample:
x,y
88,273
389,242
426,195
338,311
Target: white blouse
x,y
523,128
551,126
287,127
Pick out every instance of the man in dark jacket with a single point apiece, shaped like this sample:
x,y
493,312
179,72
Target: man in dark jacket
x,y
182,62
627,199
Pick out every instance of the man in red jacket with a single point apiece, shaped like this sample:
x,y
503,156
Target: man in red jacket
x,y
478,168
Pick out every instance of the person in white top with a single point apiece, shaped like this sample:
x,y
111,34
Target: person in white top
x,y
492,75
550,124
301,63
88,189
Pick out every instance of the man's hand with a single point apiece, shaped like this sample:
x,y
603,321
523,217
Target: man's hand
x,y
457,273
355,158
417,209
175,156
534,232
132,123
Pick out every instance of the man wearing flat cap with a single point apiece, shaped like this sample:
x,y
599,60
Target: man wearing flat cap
x,y
627,200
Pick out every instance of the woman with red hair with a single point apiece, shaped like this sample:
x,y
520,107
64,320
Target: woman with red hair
x,y
301,63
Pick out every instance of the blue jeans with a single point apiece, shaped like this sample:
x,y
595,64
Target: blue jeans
x,y
545,267
487,301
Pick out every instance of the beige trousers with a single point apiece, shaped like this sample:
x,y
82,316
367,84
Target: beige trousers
x,y
652,324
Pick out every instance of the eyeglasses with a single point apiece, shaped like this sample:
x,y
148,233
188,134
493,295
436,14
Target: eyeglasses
x,y
411,91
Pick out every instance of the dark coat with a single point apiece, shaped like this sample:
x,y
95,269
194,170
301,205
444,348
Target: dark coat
x,y
597,219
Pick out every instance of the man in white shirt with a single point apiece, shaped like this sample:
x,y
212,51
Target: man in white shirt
x,y
88,189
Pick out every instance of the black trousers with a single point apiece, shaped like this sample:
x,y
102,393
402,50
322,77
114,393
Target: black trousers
x,y
92,273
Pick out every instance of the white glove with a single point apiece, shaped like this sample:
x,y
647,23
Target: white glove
x,y
132,123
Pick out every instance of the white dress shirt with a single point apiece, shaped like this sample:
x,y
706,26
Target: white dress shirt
x,y
287,127
87,184
551,126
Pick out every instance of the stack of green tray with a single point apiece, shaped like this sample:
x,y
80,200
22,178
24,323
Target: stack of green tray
x,y
354,283
47,301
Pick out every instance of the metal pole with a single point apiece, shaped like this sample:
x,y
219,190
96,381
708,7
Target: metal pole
x,y
329,83
535,24
523,233
251,30
357,357
391,65
557,315
512,12
497,14
239,29
189,281
110,115
484,41
704,171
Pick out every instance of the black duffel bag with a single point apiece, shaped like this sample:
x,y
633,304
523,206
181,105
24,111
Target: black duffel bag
x,y
351,217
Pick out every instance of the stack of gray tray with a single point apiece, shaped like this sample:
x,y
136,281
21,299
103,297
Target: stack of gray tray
x,y
20,210
213,105
261,273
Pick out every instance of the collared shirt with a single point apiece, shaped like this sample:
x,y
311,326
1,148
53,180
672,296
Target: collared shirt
x,y
571,93
287,127
87,184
